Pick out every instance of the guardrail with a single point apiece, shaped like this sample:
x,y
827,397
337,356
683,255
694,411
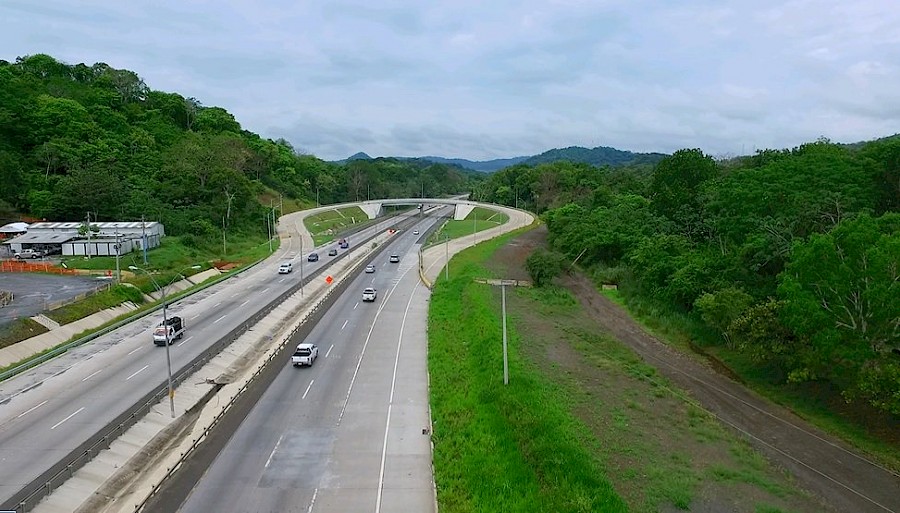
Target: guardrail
x,y
278,354
43,485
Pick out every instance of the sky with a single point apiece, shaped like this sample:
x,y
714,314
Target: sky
x,y
496,79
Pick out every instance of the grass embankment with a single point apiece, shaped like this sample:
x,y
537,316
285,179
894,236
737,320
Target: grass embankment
x,y
875,433
479,219
325,225
19,330
584,424
500,448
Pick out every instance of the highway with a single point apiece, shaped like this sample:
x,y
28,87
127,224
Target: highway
x,y
47,412
347,433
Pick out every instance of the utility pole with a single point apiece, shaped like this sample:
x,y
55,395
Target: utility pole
x,y
505,357
118,271
223,236
88,248
317,196
301,265
475,226
269,231
447,257
144,239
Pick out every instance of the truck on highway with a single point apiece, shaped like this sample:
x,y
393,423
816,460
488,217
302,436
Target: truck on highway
x,y
170,330
305,354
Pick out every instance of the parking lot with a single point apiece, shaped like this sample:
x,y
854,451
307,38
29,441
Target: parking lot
x,y
33,291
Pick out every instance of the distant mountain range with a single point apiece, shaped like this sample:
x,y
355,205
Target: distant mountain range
x,y
599,156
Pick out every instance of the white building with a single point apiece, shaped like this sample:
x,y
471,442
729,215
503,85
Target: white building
x,y
63,238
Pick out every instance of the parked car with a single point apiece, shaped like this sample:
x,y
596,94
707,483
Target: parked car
x,y
29,253
305,354
394,259
313,257
369,294
370,269
285,267
332,252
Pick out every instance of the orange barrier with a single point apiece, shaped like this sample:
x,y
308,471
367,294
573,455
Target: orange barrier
x,y
19,266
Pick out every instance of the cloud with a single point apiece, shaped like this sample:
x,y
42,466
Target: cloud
x,y
487,80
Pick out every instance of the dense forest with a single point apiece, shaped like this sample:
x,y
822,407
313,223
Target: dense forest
x,y
76,139
788,257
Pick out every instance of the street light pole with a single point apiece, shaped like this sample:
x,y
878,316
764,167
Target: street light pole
x,y
447,263
166,325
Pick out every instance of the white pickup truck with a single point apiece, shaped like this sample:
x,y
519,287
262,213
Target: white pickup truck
x,y
305,354
29,253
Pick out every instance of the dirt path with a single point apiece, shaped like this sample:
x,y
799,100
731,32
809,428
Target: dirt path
x,y
820,464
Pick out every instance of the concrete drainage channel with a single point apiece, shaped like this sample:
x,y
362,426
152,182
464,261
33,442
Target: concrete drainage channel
x,y
48,482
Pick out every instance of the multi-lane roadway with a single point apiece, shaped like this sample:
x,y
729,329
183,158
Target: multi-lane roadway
x,y
47,412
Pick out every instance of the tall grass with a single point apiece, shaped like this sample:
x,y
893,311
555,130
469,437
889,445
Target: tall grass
x,y
500,448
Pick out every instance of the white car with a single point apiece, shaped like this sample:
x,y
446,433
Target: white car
x,y
285,267
369,294
305,354
394,259
370,269
415,232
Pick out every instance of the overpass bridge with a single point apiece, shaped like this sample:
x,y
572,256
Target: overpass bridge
x,y
461,207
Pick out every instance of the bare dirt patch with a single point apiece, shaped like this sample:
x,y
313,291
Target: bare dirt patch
x,y
664,424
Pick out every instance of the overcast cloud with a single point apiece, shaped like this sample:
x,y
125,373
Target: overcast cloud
x,y
483,80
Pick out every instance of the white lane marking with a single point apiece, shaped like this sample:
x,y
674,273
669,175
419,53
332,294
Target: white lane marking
x,y
93,374
194,317
236,294
313,501
29,410
307,389
263,290
132,351
268,461
281,280
345,324
220,318
185,340
357,304
366,344
387,426
217,304
142,369
67,418
244,303
329,351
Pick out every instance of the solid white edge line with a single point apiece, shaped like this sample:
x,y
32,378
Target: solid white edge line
x,y
387,426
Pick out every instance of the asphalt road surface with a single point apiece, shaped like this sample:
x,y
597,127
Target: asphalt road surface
x,y
48,411
347,433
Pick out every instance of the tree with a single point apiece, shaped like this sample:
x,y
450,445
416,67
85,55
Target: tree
x,y
543,266
721,308
840,291
676,183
